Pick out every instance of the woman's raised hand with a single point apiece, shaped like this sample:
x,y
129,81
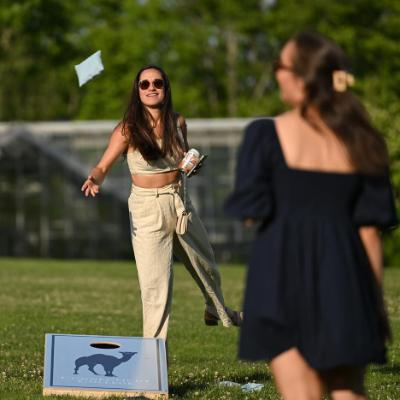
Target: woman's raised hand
x,y
90,187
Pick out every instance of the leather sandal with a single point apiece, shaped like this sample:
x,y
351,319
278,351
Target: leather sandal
x,y
235,316
210,319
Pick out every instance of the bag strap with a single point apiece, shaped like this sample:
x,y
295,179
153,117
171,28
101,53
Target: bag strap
x,y
183,175
184,188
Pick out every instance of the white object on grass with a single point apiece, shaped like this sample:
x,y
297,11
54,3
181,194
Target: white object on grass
x,y
229,383
247,388
89,68
252,387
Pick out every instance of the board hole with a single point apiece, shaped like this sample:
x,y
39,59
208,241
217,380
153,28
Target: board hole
x,y
105,345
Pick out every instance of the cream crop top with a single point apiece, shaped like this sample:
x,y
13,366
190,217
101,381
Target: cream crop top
x,y
139,166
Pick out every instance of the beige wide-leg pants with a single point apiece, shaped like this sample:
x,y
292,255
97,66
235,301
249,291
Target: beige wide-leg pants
x,y
153,216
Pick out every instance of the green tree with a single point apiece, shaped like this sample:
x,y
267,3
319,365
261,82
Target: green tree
x,y
218,55
35,54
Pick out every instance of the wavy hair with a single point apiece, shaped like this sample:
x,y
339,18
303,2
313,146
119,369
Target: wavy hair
x,y
136,123
315,60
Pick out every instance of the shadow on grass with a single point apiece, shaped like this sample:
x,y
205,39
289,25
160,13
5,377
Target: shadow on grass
x,y
181,390
184,388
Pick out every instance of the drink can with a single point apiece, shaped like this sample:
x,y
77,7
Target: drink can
x,y
190,161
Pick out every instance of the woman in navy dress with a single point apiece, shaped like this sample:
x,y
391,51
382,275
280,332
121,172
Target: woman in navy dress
x,y
316,178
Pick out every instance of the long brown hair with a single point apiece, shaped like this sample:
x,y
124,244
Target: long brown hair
x,y
315,61
136,124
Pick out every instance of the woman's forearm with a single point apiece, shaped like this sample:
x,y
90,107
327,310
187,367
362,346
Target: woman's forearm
x,y
373,245
116,146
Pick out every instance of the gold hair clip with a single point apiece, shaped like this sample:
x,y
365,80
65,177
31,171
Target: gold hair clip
x,y
341,80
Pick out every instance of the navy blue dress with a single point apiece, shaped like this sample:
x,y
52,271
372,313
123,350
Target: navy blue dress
x,y
309,283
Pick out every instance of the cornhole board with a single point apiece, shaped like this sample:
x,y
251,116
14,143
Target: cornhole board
x,y
104,366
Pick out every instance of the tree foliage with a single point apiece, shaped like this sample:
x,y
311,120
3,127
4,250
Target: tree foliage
x,y
218,55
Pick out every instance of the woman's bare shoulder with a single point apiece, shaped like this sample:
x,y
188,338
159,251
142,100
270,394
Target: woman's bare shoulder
x,y
119,128
120,135
121,131
285,117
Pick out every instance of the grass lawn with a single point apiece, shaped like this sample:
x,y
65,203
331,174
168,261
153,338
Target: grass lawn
x,y
102,298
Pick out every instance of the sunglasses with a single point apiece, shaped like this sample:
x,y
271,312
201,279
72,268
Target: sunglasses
x,y
157,83
278,65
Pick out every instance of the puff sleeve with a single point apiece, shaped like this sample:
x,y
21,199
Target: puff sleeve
x,y
375,203
252,196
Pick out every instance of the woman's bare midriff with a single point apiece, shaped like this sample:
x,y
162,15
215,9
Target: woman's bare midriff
x,y
155,180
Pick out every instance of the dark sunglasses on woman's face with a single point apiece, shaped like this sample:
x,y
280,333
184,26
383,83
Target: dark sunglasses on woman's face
x,y
157,83
278,65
